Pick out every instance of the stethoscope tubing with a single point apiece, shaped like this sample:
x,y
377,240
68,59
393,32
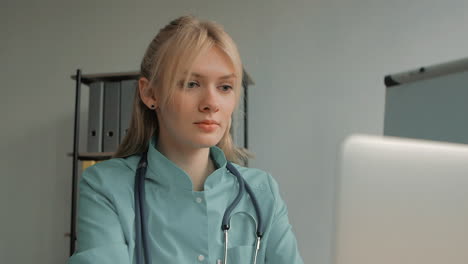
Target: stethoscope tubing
x,y
233,170
141,238
141,242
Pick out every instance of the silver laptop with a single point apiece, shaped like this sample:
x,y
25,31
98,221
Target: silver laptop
x,y
402,201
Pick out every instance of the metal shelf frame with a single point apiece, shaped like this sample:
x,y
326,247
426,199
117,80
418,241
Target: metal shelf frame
x,y
77,156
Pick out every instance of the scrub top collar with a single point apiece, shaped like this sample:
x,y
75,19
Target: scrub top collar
x,y
167,173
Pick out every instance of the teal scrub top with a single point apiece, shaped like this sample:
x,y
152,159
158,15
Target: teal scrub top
x,y
184,226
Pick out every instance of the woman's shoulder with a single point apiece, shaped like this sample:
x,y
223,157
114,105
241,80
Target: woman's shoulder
x,y
112,172
259,180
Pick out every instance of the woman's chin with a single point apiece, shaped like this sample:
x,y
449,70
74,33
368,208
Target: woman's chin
x,y
207,142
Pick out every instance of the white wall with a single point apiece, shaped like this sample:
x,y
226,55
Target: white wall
x,y
318,65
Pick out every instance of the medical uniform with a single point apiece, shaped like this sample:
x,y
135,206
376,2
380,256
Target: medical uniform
x,y
184,226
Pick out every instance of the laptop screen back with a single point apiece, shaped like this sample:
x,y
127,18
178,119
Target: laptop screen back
x,y
402,201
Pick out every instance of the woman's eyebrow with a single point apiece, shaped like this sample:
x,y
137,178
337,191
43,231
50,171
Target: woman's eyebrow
x,y
198,75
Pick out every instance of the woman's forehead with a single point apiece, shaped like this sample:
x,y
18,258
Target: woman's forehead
x,y
213,63
202,76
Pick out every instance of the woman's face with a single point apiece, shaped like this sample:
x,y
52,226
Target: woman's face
x,y
201,111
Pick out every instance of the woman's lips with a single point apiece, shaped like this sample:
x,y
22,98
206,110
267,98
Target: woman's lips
x,y
207,126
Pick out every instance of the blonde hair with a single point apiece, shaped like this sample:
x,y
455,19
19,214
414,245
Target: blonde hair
x,y
175,46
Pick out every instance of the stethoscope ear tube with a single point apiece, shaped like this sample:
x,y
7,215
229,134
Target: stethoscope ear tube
x,y
260,227
141,243
227,214
242,185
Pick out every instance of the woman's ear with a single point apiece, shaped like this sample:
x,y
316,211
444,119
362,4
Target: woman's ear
x,y
146,93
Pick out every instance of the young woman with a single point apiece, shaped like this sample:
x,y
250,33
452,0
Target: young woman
x,y
179,143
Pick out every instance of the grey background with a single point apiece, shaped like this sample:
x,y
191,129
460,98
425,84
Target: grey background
x,y
433,109
318,67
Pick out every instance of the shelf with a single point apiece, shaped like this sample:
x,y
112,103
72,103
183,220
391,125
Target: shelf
x,y
93,155
119,76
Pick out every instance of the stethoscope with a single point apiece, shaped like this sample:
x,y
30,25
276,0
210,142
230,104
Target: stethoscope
x,y
141,243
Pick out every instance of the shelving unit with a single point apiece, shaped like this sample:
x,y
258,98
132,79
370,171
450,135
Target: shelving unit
x,y
99,156
87,156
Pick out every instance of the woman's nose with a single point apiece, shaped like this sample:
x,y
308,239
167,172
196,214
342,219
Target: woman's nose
x,y
209,100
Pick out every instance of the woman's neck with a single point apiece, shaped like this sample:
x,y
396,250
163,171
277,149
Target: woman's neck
x,y
195,162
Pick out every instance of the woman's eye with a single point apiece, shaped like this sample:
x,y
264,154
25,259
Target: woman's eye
x,y
192,84
226,88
